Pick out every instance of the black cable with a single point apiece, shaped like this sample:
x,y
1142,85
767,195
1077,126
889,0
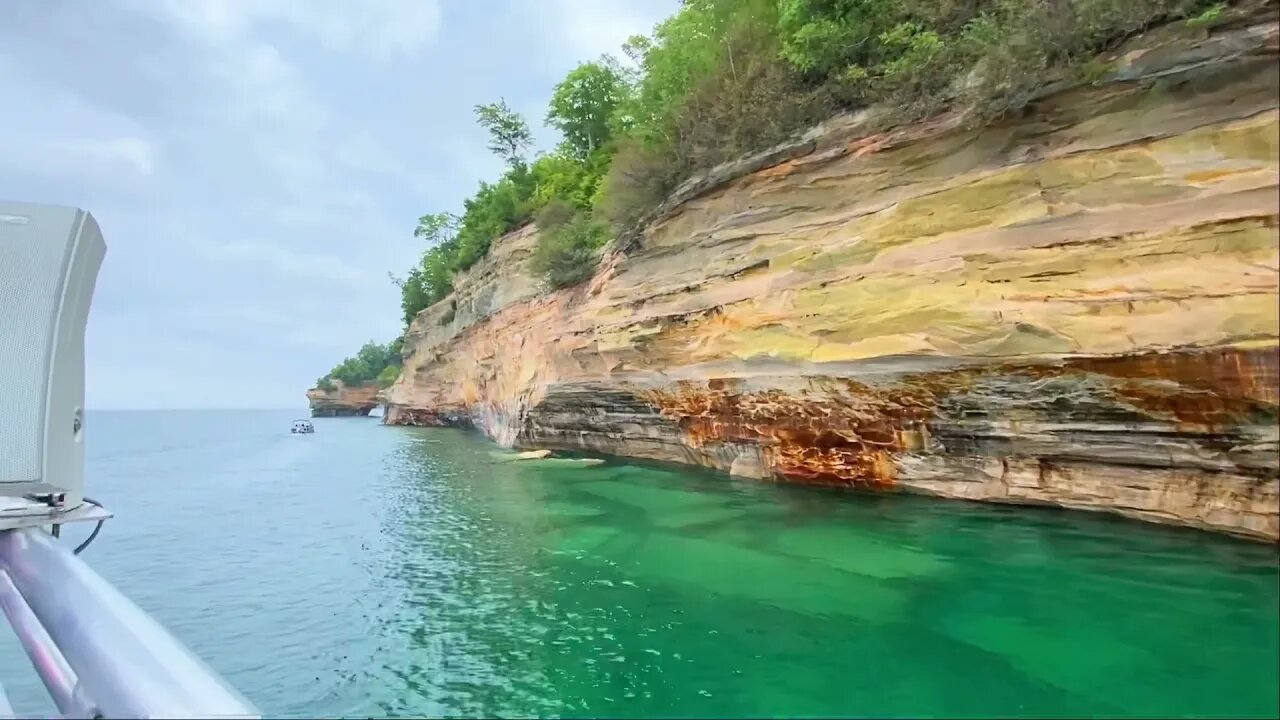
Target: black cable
x,y
96,529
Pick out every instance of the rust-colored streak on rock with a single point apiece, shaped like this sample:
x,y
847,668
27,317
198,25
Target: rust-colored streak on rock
x,y
828,431
1212,388
778,171
846,436
870,144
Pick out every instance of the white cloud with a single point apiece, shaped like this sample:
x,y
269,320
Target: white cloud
x,y
361,152
258,165
590,28
316,267
379,29
51,133
382,29
118,159
299,144
266,86
138,153
216,17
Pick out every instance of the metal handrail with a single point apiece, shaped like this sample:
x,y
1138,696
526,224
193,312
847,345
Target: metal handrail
x,y
97,652
58,677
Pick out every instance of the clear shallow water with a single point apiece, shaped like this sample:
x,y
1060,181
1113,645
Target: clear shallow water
x,y
381,571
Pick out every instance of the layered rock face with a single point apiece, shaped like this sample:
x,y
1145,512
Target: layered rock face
x,y
1076,307
343,401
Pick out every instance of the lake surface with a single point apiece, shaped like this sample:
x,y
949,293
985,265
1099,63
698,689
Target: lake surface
x,y
378,571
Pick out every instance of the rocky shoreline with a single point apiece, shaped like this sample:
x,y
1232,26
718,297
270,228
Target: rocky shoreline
x,y
1076,307
343,401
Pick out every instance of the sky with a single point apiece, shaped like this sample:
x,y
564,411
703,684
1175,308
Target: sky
x,y
258,166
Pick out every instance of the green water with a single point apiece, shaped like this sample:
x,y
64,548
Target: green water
x,y
393,571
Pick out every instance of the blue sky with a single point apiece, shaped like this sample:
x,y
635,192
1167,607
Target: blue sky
x,y
257,166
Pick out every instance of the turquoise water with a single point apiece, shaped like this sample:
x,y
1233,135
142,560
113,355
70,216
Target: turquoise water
x,y
380,571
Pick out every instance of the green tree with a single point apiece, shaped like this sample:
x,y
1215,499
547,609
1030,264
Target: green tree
x,y
372,362
712,87
684,50
563,176
584,103
827,37
723,78
568,247
413,295
432,278
436,228
388,376
509,134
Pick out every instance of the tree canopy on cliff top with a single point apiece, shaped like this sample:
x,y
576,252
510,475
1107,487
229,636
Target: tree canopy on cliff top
x,y
372,362
721,78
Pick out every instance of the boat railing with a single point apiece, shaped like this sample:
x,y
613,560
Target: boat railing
x,y
97,653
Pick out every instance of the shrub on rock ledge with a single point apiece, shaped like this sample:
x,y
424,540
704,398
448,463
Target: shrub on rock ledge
x,y
569,245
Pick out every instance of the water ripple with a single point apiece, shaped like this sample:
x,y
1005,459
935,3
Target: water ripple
x,y
373,571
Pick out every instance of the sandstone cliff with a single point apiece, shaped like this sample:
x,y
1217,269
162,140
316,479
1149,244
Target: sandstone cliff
x,y
1075,307
343,401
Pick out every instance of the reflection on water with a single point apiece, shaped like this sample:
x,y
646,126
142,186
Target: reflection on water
x,y
398,571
